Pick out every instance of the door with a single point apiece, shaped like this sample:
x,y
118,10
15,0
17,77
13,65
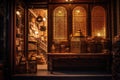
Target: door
x,y
37,37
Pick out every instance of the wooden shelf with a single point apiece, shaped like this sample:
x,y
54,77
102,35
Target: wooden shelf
x,y
32,50
32,41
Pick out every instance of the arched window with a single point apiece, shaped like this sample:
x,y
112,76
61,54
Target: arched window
x,y
60,24
98,22
79,19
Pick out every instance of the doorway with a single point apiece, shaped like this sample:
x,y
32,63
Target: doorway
x,y
37,36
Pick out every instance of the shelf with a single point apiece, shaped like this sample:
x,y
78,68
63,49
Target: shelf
x,y
32,50
32,41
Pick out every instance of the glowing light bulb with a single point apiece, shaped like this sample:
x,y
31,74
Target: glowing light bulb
x,y
98,34
59,12
68,0
44,19
18,13
36,32
78,11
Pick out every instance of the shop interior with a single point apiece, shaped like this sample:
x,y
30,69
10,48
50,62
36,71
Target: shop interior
x,y
63,32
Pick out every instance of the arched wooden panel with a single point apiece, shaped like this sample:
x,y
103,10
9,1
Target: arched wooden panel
x,y
98,21
79,19
60,24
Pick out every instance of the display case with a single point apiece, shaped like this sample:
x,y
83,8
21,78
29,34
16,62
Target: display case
x,y
37,39
78,43
83,44
20,57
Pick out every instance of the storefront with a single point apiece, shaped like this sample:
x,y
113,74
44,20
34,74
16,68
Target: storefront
x,y
61,34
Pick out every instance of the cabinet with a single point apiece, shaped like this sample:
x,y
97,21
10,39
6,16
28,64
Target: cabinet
x,y
78,43
75,61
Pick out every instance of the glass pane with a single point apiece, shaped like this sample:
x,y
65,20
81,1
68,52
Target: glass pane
x,y
79,20
60,24
98,22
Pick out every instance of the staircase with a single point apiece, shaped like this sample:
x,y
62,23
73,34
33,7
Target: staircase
x,y
42,46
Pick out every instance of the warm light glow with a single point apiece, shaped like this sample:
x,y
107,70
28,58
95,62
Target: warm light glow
x,y
98,34
36,32
78,11
68,0
44,19
59,12
18,13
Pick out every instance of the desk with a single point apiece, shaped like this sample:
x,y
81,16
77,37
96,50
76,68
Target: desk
x,y
72,61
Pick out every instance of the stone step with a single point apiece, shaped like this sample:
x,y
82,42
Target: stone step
x,y
63,75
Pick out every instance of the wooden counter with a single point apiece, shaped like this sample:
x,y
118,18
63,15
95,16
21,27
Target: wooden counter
x,y
78,61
